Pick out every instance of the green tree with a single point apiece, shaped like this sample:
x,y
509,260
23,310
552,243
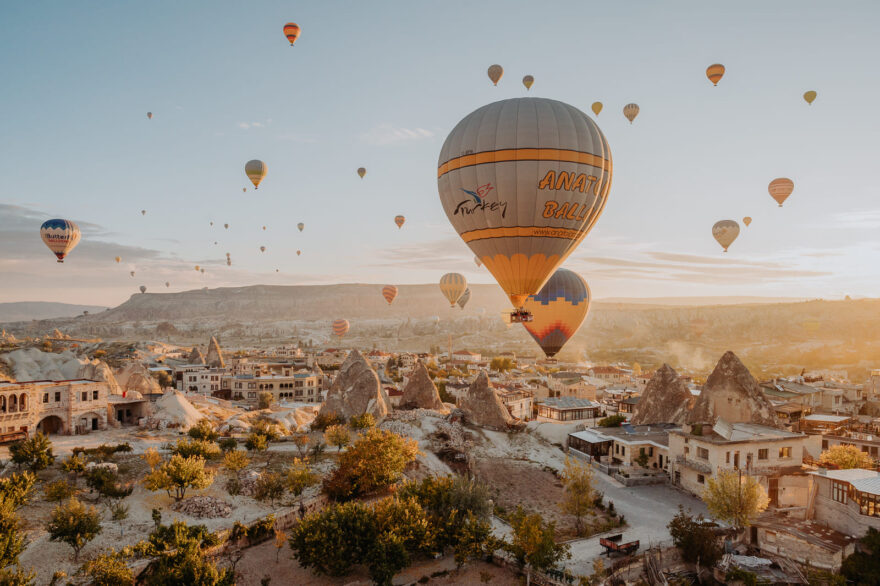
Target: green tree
x,y
695,538
270,486
203,430
227,444
375,460
363,421
337,435
256,442
265,400
501,364
11,535
579,497
108,569
186,565
16,490
863,567
75,464
195,447
177,475
612,421
35,453
236,461
75,524
299,477
845,457
734,497
335,539
533,543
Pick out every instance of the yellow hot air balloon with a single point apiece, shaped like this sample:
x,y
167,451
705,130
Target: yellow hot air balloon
x,y
291,31
747,221
60,236
255,171
495,72
197,268
149,115
596,107
780,189
523,181
361,172
389,292
118,259
810,96
715,73
725,232
631,111
399,220
528,81
453,286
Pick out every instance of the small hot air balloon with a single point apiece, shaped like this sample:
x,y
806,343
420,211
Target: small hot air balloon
x,y
264,228
810,96
596,107
149,115
477,261
167,284
725,232
143,289
361,172
298,252
202,270
197,268
255,170
495,72
399,220
300,226
226,226
465,297
747,221
143,212
528,81
211,223
452,285
215,243
276,270
291,31
131,273
558,310
227,255
244,189
61,236
780,189
631,111
340,327
118,258
228,262
389,292
262,249
715,73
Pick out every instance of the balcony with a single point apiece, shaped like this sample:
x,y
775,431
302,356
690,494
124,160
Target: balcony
x,y
701,467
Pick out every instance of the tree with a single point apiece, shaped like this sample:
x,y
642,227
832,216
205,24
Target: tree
x,y
734,497
269,486
256,442
236,461
16,490
612,421
334,539
845,457
186,565
695,538
105,482
280,540
533,543
11,535
75,465
108,569
363,421
301,441
337,435
227,444
179,474
75,524
265,400
194,447
35,452
501,364
376,460
152,457
579,499
299,477
863,567
203,430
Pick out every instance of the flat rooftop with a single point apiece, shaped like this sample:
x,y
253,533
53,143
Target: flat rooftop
x,y
742,432
568,403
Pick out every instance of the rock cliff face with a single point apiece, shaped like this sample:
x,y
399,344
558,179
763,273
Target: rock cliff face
x,y
100,371
666,399
196,357
356,390
136,377
214,359
420,392
481,406
732,393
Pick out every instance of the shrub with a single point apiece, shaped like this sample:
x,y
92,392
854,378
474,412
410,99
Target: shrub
x,y
265,400
74,524
612,421
11,535
35,453
58,490
266,427
119,511
227,444
256,443
236,461
694,538
108,569
364,421
105,483
270,486
203,430
179,474
195,447
16,490
325,420
337,435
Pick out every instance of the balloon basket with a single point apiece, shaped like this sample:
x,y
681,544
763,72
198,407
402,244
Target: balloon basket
x,y
521,316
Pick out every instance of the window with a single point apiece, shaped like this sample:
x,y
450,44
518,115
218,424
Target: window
x,y
869,504
95,395
838,491
763,454
824,445
57,396
687,450
701,479
784,452
727,458
702,453
85,396
45,397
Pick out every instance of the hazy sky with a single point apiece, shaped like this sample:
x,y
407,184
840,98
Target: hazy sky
x,y
380,85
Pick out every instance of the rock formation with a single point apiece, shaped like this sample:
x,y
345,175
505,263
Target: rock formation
x,y
214,359
99,370
134,376
482,406
420,392
356,390
666,399
732,393
196,356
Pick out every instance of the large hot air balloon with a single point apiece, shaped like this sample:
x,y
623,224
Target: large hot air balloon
x,y
300,226
340,327
291,31
747,221
631,111
118,259
715,73
596,107
523,181
528,81
399,220
780,189
255,171
361,172
559,309
143,289
61,236
725,232
262,249
810,96
477,261
149,115
452,285
465,297
495,72
389,292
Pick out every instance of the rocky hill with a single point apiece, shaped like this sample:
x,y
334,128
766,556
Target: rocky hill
x,y
28,310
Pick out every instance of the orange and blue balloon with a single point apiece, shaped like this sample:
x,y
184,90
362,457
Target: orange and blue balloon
x,y
558,310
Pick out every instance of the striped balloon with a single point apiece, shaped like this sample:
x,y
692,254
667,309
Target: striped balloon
x,y
291,31
452,285
340,327
780,189
255,171
389,292
558,310
631,111
61,236
399,220
715,72
465,297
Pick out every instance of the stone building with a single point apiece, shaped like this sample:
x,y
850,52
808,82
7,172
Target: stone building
x,y
53,407
846,500
300,387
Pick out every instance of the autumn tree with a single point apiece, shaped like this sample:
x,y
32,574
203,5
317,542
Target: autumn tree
x,y
845,457
734,497
152,457
280,541
533,542
108,569
177,475
363,421
11,535
299,477
75,524
195,447
579,496
75,464
35,453
695,538
256,442
337,435
203,430
374,461
235,461
265,400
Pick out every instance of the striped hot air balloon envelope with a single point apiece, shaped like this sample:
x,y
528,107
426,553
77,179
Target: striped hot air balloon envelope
x,y
465,297
495,72
631,111
389,292
340,327
61,236
255,170
780,189
715,72
452,285
399,220
291,31
558,310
